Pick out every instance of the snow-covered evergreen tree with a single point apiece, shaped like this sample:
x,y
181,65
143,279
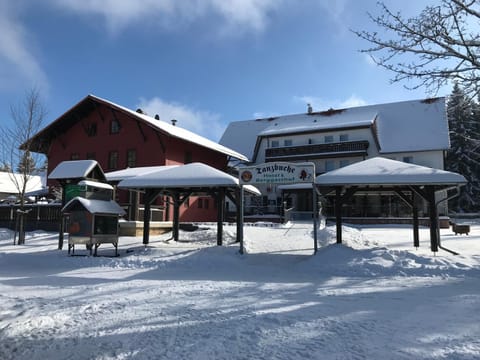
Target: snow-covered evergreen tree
x,y
464,154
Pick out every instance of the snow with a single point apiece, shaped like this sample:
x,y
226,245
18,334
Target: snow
x,y
382,171
95,184
7,183
95,206
73,169
189,175
374,297
119,175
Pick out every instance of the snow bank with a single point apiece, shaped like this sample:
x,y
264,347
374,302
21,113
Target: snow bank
x,y
373,297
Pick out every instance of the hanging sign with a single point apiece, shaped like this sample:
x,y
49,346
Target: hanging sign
x,y
278,173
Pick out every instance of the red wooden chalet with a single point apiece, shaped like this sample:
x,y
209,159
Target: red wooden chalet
x,y
119,138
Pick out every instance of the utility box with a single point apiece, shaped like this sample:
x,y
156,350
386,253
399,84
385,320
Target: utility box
x,y
92,222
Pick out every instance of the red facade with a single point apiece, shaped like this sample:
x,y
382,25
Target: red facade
x,y
117,139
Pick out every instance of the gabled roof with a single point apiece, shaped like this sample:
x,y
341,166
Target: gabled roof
x,y
94,206
123,174
417,125
7,183
193,175
382,171
77,169
90,102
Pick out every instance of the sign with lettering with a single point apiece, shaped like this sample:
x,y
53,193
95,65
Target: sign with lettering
x,y
278,173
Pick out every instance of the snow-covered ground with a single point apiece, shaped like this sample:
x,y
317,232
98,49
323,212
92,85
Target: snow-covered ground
x,y
374,297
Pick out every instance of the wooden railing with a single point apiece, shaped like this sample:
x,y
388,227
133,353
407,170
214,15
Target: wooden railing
x,y
316,151
38,216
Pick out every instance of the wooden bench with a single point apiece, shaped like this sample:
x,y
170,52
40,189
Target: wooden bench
x,y
460,229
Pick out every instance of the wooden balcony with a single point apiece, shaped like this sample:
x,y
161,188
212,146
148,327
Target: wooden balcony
x,y
317,151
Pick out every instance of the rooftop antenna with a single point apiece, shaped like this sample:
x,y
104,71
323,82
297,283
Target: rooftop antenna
x,y
309,109
173,122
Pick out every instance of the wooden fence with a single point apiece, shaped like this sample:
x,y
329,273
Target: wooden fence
x,y
39,216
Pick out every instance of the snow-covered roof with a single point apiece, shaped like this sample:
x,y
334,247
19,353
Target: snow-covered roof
x,y
119,175
177,131
382,171
193,175
73,169
95,184
7,183
95,206
417,125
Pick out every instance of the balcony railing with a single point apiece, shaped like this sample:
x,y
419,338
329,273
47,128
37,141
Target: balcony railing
x,y
317,151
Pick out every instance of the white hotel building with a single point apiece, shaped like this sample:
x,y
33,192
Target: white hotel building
x,y
410,131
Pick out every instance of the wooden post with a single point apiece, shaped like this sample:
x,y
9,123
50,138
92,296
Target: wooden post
x,y
176,216
220,214
146,218
62,221
416,239
338,213
432,210
315,210
239,195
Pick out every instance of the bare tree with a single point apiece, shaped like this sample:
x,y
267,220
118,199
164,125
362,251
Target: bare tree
x,y
441,44
18,159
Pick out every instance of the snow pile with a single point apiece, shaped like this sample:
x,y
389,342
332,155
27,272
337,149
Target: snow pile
x,y
373,297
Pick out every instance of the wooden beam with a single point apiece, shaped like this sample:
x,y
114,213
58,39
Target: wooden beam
x,y
239,195
220,214
404,197
141,131
416,238
176,215
162,145
338,213
432,212
148,198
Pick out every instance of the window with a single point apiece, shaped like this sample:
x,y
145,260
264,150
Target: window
x,y
90,156
343,137
344,163
202,203
275,143
105,225
91,129
329,165
131,158
287,142
328,138
113,159
114,126
74,156
408,159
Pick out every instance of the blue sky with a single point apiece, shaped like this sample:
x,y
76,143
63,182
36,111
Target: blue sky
x,y
203,62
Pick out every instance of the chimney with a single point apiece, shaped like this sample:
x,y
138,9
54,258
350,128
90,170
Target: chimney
x,y
157,117
309,109
173,122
